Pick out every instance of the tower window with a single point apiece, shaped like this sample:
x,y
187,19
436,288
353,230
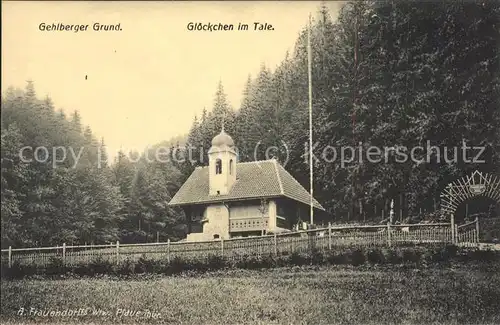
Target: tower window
x,y
218,166
231,167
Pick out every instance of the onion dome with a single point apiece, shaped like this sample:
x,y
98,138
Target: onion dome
x,y
222,139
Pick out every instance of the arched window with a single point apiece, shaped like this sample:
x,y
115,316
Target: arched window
x,y
231,167
218,166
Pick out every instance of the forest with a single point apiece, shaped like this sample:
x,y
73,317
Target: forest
x,y
384,73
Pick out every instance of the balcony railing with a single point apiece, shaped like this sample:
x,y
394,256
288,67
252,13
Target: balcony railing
x,y
248,224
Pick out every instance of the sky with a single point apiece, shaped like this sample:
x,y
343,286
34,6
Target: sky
x,y
145,83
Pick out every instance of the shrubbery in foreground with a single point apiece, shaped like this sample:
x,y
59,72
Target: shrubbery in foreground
x,y
413,256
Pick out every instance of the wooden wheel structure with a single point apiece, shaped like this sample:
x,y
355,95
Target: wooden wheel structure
x,y
468,187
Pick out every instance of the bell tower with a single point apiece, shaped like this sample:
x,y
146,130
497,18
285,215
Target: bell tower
x,y
222,164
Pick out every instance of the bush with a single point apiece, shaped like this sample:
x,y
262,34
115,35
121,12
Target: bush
x,y
451,251
147,265
250,262
101,266
261,261
126,267
281,261
356,257
438,254
269,261
6,271
410,255
353,256
82,270
336,258
56,267
198,266
375,256
428,256
240,261
392,256
316,257
97,266
18,270
296,259
213,262
176,265
486,256
446,253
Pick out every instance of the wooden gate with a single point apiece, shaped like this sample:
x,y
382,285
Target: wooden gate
x,y
468,234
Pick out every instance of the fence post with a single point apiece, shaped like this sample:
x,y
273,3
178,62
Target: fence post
x,y
453,233
457,237
64,254
330,236
222,246
389,234
10,257
117,252
168,250
477,230
275,245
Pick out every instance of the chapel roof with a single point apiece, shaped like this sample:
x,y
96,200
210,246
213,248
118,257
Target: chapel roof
x,y
255,180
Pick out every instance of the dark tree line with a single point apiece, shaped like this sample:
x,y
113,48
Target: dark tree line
x,y
54,199
385,73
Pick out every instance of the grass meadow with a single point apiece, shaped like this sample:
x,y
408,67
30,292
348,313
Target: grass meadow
x,y
335,294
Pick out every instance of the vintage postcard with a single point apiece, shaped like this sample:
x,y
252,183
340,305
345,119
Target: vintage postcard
x,y
250,162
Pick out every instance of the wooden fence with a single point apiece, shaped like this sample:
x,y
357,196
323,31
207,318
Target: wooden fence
x,y
235,248
468,233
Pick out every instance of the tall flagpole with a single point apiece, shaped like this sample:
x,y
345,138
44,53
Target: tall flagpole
x,y
309,59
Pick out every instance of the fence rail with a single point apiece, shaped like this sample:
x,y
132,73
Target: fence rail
x,y
468,233
235,248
